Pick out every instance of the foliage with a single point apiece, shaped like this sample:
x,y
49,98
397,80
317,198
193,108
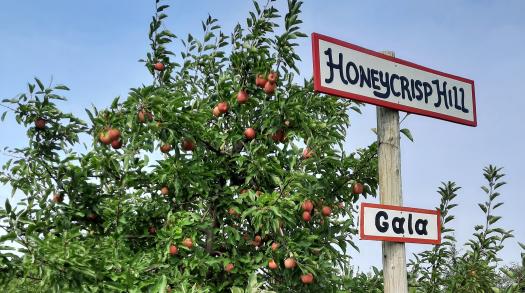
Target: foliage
x,y
95,219
443,268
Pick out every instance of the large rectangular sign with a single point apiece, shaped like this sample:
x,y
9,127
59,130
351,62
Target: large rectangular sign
x,y
399,224
349,71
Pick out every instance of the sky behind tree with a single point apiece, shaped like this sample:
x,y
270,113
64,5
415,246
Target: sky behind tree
x,y
93,47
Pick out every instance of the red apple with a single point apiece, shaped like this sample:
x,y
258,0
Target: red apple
x,y
152,230
307,279
116,144
275,246
188,243
229,267
173,249
272,264
57,198
249,133
143,116
104,137
114,134
223,107
307,205
260,81
272,77
165,148
187,144
159,66
232,212
289,263
278,136
216,111
357,188
308,153
242,97
269,88
307,216
164,190
40,123
326,211
92,217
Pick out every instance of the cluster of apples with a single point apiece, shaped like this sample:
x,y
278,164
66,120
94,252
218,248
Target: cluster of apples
x,y
268,85
307,206
289,263
111,136
174,250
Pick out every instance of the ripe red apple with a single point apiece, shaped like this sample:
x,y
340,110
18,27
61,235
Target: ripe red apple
x,y
188,243
164,190
229,267
272,264
272,77
116,144
307,216
104,137
260,81
307,279
278,136
257,238
223,107
357,188
289,263
187,144
114,134
232,212
57,198
143,116
269,88
165,148
173,249
249,133
326,211
307,205
152,230
242,97
275,246
159,66
92,217
40,123
216,111
308,153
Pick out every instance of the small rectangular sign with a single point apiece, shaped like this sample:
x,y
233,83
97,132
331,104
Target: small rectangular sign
x,y
399,224
349,71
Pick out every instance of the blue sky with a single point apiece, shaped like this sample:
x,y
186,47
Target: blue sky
x,y
93,47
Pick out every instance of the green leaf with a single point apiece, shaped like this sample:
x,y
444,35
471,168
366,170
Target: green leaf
x,y
40,84
407,133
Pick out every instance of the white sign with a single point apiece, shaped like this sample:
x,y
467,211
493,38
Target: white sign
x,y
349,71
399,224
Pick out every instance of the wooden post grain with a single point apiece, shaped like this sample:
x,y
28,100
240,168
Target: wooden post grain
x,y
389,152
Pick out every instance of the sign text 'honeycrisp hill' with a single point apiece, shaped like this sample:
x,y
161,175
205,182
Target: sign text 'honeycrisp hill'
x,y
349,71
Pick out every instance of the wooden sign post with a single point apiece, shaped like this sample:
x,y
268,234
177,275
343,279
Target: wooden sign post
x,y
389,167
349,71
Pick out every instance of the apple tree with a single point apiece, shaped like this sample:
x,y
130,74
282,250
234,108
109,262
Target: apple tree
x,y
226,168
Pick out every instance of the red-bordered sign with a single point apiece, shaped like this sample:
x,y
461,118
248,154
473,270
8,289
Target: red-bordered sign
x,y
349,71
385,222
